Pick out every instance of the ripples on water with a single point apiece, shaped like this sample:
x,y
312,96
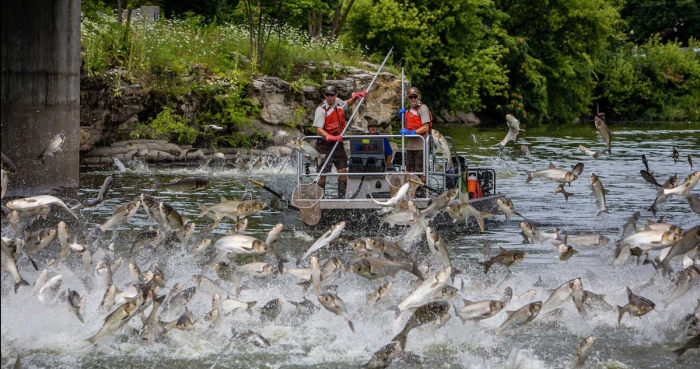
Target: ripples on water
x,y
52,337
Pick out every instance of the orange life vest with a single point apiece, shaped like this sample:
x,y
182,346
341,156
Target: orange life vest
x,y
335,120
413,121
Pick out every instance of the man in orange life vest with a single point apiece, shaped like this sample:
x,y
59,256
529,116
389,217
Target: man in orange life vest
x,y
418,122
329,121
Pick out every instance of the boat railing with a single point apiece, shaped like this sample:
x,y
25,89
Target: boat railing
x,y
302,174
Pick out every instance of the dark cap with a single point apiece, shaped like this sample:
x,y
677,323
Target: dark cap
x,y
330,89
372,122
412,91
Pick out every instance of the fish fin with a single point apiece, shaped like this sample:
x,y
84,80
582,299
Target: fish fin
x,y
606,192
33,262
396,310
352,327
510,312
480,221
551,166
466,302
500,146
223,199
630,295
415,270
530,177
501,249
487,266
620,313
204,208
20,283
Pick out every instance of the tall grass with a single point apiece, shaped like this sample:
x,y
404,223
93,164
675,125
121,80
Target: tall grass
x,y
178,44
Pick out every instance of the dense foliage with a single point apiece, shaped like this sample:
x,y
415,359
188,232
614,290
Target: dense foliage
x,y
541,60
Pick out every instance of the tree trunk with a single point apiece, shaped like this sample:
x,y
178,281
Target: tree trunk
x,y
251,28
312,24
345,16
319,24
128,17
336,18
119,12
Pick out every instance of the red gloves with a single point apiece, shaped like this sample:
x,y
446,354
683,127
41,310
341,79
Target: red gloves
x,y
331,138
357,95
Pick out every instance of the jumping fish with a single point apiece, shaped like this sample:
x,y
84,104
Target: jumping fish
x,y
605,133
53,146
513,130
637,306
599,192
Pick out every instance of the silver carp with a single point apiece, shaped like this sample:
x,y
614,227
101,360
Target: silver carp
x,y
53,146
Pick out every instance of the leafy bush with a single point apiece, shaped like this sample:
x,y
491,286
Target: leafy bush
x,y
166,125
653,81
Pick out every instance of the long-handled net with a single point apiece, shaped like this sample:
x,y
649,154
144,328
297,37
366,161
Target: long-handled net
x,y
307,197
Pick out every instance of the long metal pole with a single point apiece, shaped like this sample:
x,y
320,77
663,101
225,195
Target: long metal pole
x,y
403,123
328,159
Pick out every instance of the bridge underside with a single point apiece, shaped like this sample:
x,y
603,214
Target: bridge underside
x,y
40,92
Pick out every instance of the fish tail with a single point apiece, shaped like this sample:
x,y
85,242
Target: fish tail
x,y
529,177
397,311
487,266
415,270
32,261
679,352
22,282
480,221
401,339
92,340
663,265
204,208
98,231
567,195
352,326
500,146
507,217
620,313
156,183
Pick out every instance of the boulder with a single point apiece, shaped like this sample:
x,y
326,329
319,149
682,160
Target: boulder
x,y
468,118
273,95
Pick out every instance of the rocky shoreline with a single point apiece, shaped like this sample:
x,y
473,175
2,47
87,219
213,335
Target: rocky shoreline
x,y
111,106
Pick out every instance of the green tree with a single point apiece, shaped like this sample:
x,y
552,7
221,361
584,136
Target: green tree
x,y
653,81
442,44
679,19
551,46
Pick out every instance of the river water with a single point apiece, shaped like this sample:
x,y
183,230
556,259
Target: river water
x,y
50,336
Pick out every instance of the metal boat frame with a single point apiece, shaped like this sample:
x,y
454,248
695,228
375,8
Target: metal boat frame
x,y
434,170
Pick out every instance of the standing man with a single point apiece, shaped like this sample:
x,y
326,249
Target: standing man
x,y
418,122
373,130
329,121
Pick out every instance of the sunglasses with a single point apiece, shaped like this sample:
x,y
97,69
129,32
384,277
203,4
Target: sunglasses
x,y
329,95
413,97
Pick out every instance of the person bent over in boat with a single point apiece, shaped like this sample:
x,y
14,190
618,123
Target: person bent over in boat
x,y
418,122
329,121
373,130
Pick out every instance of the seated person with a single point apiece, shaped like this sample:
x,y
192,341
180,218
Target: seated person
x,y
373,129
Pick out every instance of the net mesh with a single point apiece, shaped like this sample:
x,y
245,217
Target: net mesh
x,y
307,198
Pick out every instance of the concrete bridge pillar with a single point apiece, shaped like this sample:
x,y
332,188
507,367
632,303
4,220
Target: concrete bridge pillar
x,y
40,92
